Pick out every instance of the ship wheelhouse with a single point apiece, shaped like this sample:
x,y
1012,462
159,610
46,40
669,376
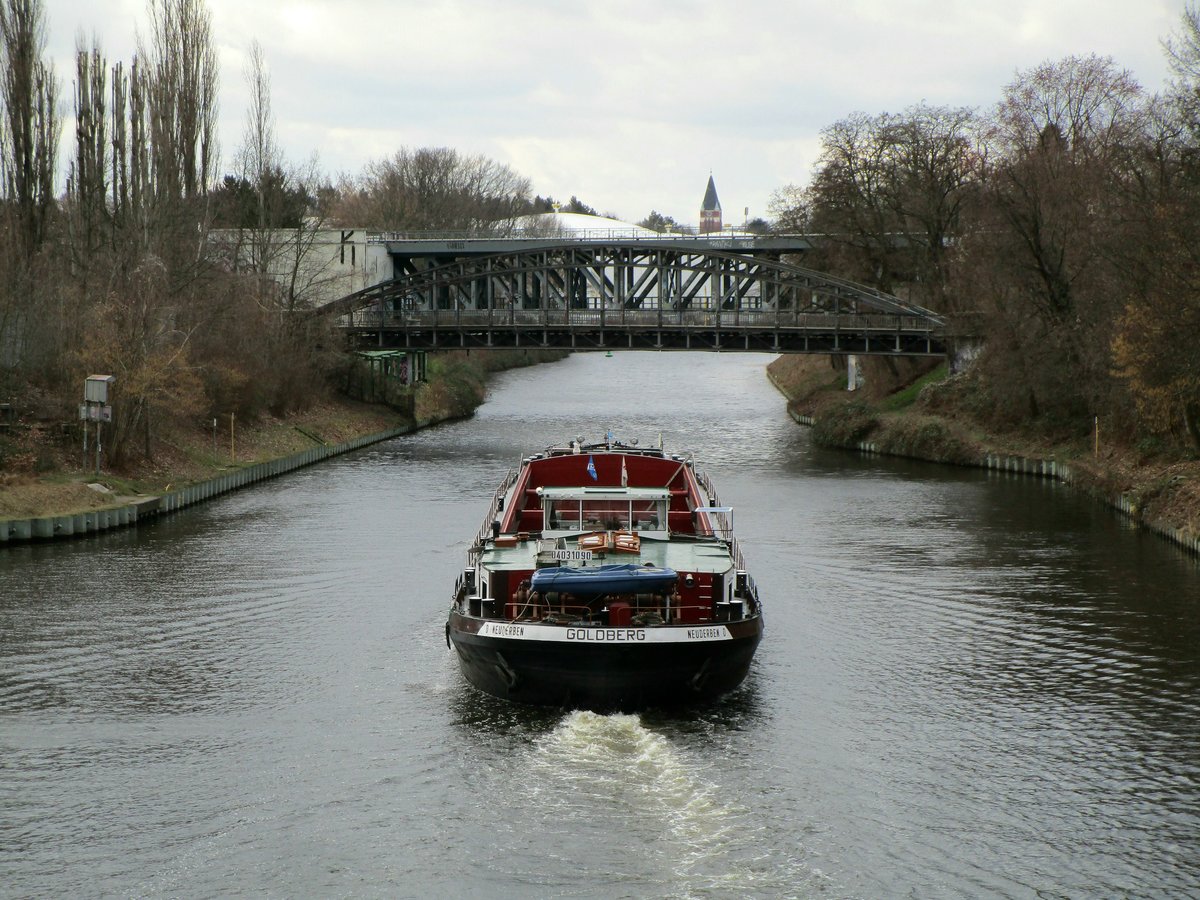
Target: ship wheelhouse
x,y
569,511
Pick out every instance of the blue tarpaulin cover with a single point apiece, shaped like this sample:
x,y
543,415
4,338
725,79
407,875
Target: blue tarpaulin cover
x,y
595,580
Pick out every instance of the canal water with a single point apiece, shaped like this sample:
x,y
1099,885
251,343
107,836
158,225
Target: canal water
x,y
970,685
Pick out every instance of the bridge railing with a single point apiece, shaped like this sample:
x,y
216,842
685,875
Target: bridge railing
x,y
586,234
626,318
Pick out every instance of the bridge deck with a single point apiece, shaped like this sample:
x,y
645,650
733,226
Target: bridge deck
x,y
735,330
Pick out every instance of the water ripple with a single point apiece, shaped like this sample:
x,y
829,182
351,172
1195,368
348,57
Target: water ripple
x,y
969,685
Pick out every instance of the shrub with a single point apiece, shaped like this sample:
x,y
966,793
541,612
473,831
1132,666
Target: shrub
x,y
845,425
927,440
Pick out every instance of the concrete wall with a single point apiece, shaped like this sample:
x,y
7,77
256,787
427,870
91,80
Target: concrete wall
x,y
328,263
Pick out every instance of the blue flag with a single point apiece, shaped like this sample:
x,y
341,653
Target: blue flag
x,y
592,469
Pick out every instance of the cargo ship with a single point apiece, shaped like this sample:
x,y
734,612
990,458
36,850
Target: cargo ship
x,y
605,576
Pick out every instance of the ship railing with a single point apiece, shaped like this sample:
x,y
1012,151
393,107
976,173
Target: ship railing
x,y
485,530
551,611
735,553
561,613
722,525
706,483
750,595
725,526
696,614
642,613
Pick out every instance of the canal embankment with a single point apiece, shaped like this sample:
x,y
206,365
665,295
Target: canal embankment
x,y
130,510
47,494
1160,495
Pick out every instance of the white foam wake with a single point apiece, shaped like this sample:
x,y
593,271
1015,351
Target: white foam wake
x,y
612,775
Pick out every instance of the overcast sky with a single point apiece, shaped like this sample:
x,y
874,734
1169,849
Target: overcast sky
x,y
627,105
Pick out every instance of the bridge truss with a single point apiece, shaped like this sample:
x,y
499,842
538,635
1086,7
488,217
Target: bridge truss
x,y
608,295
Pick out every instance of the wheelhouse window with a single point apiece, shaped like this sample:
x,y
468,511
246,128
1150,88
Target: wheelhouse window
x,y
604,509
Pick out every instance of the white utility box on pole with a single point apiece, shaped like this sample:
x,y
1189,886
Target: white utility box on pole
x,y
95,408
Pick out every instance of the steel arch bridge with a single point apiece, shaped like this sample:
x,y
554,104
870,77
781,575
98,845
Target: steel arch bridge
x,y
634,294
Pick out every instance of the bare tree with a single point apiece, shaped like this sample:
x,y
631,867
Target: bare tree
x,y
935,161
851,203
182,102
1155,350
1182,49
305,273
259,153
889,192
436,188
87,180
154,298
29,93
260,169
30,310
791,210
1062,137
270,218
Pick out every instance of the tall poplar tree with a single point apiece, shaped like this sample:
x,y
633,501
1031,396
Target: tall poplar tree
x,y
29,93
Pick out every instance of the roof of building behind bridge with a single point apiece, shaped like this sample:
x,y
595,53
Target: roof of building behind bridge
x,y
578,225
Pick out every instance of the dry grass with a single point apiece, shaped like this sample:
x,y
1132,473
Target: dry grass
x,y
42,472
1166,490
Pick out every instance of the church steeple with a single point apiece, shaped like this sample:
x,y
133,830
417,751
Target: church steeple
x,y
710,209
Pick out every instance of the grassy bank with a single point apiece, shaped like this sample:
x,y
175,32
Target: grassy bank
x,y
43,472
920,412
